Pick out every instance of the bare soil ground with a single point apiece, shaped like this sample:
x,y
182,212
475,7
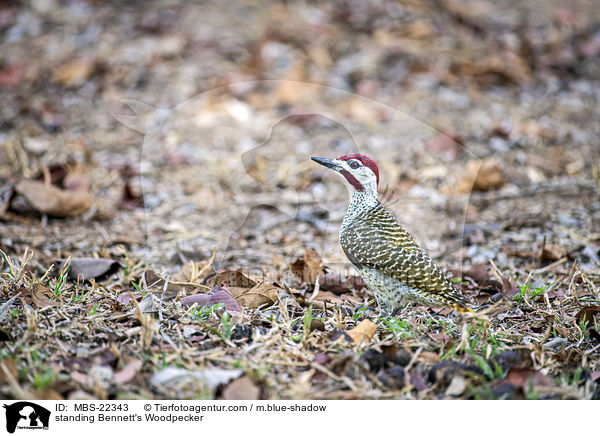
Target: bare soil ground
x,y
164,234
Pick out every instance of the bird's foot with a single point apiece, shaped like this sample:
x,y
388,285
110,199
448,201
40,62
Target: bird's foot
x,y
386,312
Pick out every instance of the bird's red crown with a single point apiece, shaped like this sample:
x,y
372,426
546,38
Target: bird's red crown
x,y
366,161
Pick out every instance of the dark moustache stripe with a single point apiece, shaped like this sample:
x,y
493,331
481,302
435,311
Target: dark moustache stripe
x,y
352,180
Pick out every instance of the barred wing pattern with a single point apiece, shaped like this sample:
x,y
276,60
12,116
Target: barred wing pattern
x,y
373,239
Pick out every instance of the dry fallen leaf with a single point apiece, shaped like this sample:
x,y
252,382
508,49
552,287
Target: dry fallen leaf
x,y
587,314
38,295
261,295
42,297
217,295
363,332
230,278
328,297
242,388
334,283
53,201
87,268
308,268
525,377
8,370
552,252
74,73
482,175
129,372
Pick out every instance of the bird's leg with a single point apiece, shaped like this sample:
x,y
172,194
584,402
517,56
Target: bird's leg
x,y
397,311
385,311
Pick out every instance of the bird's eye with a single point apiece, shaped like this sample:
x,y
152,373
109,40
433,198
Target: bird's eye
x,y
354,165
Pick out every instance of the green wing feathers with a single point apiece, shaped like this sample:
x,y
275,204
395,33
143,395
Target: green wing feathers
x,y
376,240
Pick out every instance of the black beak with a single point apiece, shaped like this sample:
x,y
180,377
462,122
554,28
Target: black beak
x,y
326,162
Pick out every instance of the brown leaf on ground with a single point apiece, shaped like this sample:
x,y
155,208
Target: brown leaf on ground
x,y
42,297
261,295
309,267
509,288
38,295
8,370
587,314
53,201
242,388
230,279
327,296
480,275
552,252
217,295
482,175
128,373
74,73
86,268
334,283
520,378
363,332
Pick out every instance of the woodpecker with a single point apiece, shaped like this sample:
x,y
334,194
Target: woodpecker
x,y
385,255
